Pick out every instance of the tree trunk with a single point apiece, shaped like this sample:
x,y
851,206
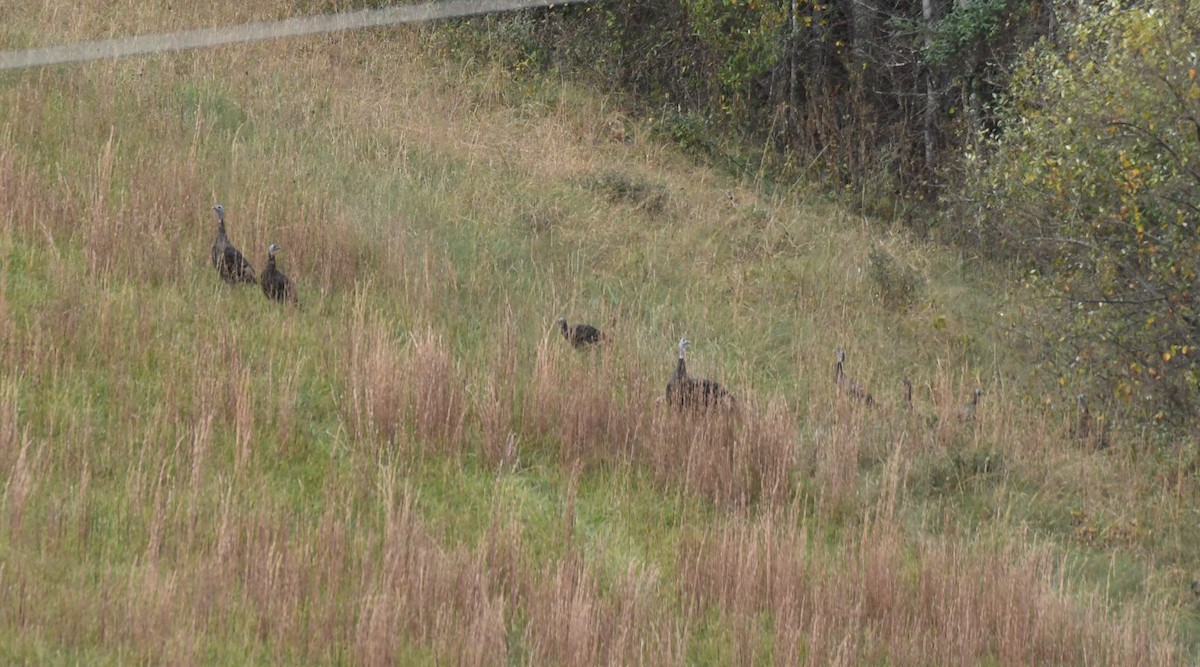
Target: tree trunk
x,y
931,94
793,44
1051,19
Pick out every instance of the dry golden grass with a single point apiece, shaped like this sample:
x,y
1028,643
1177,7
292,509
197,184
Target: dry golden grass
x,y
887,598
573,622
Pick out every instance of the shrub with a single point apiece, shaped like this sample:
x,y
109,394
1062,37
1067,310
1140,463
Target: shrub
x,y
1091,183
897,285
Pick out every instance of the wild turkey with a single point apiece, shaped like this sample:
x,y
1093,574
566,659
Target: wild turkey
x,y
966,411
581,335
680,378
275,284
231,265
1086,430
845,384
694,393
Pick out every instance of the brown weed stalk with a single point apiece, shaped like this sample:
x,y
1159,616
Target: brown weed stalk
x,y
879,596
572,623
422,592
495,399
21,482
544,403
494,409
376,402
599,420
435,393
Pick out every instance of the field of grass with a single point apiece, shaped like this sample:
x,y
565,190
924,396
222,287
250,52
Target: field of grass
x,y
416,469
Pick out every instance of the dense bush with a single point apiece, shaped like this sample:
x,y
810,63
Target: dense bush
x,y
897,285
875,99
1093,181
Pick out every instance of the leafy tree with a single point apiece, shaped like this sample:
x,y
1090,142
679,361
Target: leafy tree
x,y
866,94
1095,181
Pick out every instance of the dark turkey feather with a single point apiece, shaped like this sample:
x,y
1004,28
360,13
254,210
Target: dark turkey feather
x,y
580,335
275,284
845,384
231,265
676,385
966,411
685,392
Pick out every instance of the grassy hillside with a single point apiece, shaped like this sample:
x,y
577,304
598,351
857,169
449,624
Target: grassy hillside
x,y
416,469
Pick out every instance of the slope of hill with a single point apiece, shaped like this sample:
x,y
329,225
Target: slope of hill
x,y
416,468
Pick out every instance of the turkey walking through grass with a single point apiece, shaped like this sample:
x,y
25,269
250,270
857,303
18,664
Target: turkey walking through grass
x,y
845,384
275,284
694,393
581,335
966,411
231,265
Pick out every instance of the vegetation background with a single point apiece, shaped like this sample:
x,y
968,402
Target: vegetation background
x,y
417,469
1057,139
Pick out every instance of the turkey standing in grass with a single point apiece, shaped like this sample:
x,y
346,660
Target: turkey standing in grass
x,y
275,284
231,265
581,335
686,392
845,384
966,411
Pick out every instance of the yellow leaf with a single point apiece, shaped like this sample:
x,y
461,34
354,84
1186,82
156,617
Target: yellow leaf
x,y
1166,356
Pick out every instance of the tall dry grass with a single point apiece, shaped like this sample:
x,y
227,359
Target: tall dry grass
x,y
434,596
21,482
376,407
588,402
494,410
604,409
437,400
572,622
400,389
882,597
495,390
